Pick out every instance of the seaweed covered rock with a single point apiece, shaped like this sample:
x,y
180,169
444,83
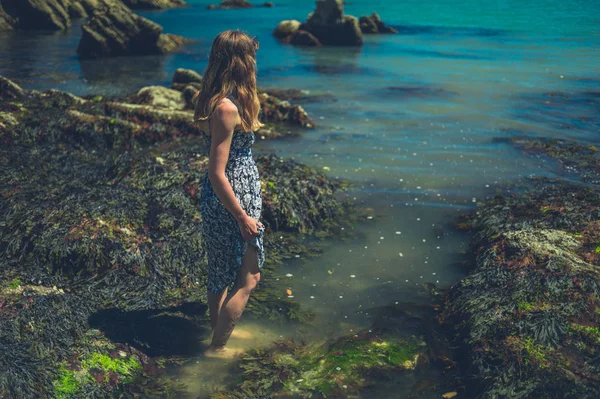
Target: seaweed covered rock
x,y
117,31
578,159
154,4
373,24
9,90
161,97
531,302
100,213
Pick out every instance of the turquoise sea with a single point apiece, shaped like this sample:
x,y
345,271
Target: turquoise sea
x,y
410,119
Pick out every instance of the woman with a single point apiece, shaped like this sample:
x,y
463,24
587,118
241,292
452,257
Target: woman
x,y
227,107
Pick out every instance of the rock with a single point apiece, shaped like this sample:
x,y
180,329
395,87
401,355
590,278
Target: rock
x,y
6,21
161,97
9,90
154,4
39,14
118,31
286,28
328,12
188,94
276,110
374,24
327,25
227,4
269,4
346,32
184,77
303,38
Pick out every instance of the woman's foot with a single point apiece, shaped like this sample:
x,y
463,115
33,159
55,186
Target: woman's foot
x,y
222,352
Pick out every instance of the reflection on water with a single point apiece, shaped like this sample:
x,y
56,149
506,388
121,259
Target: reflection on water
x,y
410,120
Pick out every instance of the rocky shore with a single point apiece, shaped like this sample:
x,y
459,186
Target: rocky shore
x,y
99,242
526,318
111,27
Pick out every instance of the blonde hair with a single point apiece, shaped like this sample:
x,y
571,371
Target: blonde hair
x,y
231,71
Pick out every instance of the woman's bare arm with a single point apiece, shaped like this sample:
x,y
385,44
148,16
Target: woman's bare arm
x,y
223,123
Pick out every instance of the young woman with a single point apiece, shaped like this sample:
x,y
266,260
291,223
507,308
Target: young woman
x,y
227,108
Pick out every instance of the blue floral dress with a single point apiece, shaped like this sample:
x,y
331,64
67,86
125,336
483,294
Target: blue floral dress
x,y
224,243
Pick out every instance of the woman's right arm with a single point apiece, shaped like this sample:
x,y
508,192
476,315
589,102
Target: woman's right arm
x,y
223,123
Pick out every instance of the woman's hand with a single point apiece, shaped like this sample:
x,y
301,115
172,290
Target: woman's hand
x,y
249,227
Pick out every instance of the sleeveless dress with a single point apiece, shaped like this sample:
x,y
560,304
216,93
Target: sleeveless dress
x,y
224,244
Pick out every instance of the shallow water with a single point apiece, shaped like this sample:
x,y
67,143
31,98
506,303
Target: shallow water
x,y
411,124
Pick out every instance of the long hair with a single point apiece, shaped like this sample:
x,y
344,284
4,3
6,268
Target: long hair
x,y
231,70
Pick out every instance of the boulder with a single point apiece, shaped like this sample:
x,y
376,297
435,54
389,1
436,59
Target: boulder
x,y
118,31
161,97
185,77
9,90
374,24
303,38
269,4
39,14
328,12
188,93
286,28
327,25
227,4
345,32
154,4
6,21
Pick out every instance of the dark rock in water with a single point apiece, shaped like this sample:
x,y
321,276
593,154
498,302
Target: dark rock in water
x,y
415,91
268,4
374,24
327,24
227,4
9,90
118,31
39,14
184,77
303,38
275,110
154,4
286,28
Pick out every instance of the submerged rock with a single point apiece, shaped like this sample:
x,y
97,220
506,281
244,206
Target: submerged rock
x,y
118,31
227,4
374,24
154,4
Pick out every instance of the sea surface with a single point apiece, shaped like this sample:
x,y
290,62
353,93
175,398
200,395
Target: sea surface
x,y
411,120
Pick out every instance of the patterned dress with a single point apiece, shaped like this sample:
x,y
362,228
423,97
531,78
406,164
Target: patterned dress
x,y
224,243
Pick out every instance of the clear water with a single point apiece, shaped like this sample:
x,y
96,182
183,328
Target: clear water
x,y
411,126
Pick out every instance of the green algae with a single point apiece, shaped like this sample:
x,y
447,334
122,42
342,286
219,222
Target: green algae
x,y
66,385
333,368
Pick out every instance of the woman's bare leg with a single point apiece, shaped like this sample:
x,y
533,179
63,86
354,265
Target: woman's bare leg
x,y
233,306
215,302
